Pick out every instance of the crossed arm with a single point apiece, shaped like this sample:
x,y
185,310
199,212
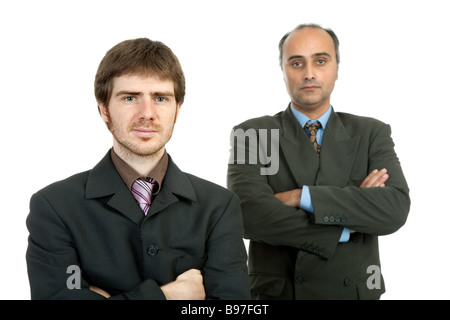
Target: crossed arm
x,y
376,178
187,286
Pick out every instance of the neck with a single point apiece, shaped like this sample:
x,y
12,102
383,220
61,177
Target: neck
x,y
143,165
312,112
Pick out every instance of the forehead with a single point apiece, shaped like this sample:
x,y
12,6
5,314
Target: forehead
x,y
141,83
308,41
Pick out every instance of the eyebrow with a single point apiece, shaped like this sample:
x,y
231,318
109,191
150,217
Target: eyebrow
x,y
314,55
155,94
128,93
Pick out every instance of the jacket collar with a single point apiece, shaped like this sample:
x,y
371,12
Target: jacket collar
x,y
337,152
104,181
294,143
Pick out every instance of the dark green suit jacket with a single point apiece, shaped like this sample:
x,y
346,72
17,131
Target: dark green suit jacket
x,y
296,255
91,220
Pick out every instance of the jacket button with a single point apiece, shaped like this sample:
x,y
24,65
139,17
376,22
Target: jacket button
x,y
325,219
346,282
298,281
152,250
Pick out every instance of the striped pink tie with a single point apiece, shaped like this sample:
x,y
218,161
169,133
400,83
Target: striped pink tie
x,y
142,192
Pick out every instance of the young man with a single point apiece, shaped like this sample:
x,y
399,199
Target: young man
x,y
314,223
135,226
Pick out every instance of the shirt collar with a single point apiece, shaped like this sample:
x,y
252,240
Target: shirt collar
x,y
303,119
129,175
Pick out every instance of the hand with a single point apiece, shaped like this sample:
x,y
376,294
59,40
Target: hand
x,y
290,198
376,178
187,286
100,291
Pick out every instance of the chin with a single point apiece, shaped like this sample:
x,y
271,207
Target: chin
x,y
140,150
147,152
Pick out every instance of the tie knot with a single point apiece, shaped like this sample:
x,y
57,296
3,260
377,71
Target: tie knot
x,y
313,127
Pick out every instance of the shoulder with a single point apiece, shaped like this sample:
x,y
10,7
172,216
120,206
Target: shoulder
x,y
52,204
208,190
355,123
263,122
71,186
352,118
192,187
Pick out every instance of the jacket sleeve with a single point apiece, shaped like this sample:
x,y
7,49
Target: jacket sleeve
x,y
377,211
267,219
225,274
51,251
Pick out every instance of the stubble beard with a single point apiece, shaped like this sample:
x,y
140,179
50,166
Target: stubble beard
x,y
309,103
143,148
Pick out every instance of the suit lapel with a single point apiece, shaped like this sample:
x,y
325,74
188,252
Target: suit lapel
x,y
338,153
301,158
176,185
105,181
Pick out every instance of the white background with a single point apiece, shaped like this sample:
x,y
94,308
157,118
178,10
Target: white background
x,y
395,67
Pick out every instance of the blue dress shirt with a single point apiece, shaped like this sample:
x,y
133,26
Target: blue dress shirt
x,y
305,201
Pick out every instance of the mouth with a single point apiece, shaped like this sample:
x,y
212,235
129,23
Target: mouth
x,y
144,133
310,87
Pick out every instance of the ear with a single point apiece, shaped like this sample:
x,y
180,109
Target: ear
x,y
103,112
284,73
178,110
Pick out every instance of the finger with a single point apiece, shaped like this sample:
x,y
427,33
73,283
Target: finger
x,y
381,181
375,179
378,180
369,179
364,182
100,291
381,178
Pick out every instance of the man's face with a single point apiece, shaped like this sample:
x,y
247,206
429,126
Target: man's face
x,y
141,114
310,69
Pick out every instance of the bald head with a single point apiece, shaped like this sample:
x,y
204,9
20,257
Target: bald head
x,y
330,33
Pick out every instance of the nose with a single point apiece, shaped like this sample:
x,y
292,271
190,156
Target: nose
x,y
147,108
309,73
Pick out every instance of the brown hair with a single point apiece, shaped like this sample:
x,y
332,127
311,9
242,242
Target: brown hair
x,y
139,56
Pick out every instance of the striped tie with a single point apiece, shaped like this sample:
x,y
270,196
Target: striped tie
x,y
142,192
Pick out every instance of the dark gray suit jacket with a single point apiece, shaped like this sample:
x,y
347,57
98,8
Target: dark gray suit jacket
x,y
296,255
92,220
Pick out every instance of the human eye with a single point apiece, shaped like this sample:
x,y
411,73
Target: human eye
x,y
129,98
321,61
297,64
161,99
